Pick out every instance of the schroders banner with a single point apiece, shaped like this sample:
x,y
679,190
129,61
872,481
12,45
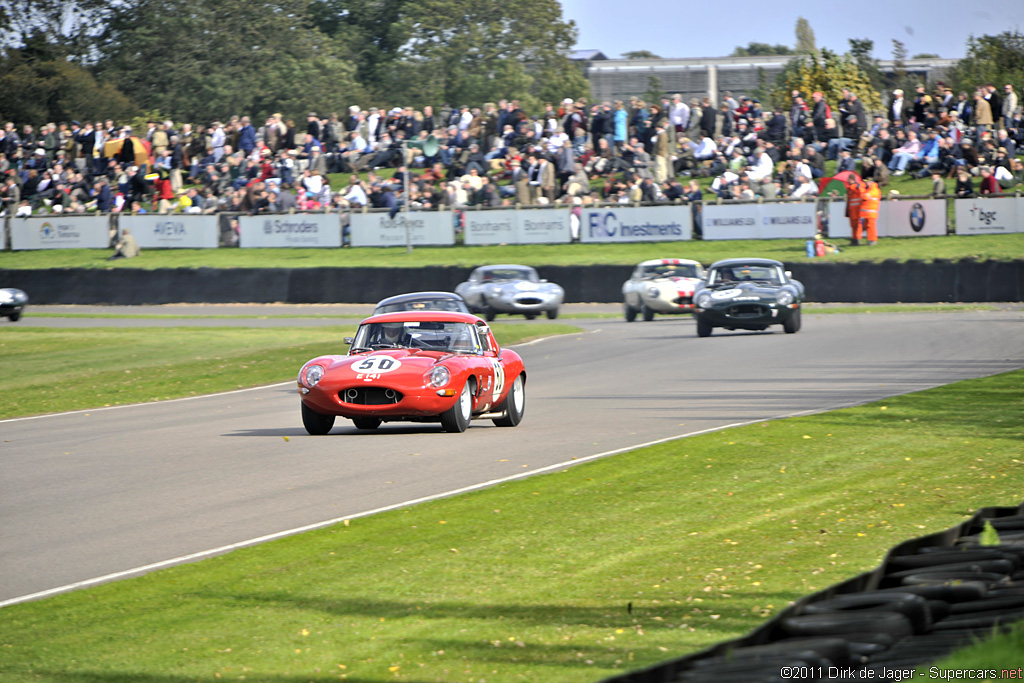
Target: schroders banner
x,y
290,230
173,231
511,226
415,228
58,231
988,216
759,221
636,224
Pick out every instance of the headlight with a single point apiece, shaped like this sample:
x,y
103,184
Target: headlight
x,y
784,297
704,299
653,292
6,297
312,375
438,376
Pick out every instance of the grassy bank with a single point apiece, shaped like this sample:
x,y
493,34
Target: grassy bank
x,y
980,247
573,576
49,370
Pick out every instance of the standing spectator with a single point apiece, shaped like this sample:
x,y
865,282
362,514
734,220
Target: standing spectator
x,y
1009,106
621,126
982,115
246,137
820,111
898,110
995,102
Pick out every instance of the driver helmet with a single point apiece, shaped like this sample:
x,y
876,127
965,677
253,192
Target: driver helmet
x,y
392,332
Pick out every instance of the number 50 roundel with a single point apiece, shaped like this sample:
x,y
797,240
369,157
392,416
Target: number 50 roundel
x,y
376,364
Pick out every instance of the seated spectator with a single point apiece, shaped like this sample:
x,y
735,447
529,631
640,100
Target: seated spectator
x,y
964,186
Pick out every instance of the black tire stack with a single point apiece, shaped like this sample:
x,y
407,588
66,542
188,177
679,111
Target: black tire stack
x,y
930,596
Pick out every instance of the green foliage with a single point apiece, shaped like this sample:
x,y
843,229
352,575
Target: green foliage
x,y
862,49
655,90
755,49
991,59
989,535
829,73
805,43
640,54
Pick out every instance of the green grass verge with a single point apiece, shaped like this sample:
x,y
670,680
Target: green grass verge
x,y
999,656
48,370
981,247
532,580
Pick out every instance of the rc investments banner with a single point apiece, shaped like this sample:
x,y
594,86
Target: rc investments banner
x,y
154,231
636,224
290,230
415,228
982,216
57,231
759,221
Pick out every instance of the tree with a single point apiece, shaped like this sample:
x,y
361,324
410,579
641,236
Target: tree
x,y
640,54
828,73
70,25
655,90
990,59
805,44
756,49
862,52
200,61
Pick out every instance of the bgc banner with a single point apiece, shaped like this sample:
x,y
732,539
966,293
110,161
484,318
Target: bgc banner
x,y
510,226
154,231
636,224
759,221
290,230
993,216
424,228
57,231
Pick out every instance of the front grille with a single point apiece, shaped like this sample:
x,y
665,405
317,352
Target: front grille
x,y
683,300
747,311
370,396
529,301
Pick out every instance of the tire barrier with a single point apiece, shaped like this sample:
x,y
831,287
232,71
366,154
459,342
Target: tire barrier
x,y
930,596
885,282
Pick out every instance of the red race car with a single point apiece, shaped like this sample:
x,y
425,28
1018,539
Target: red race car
x,y
418,366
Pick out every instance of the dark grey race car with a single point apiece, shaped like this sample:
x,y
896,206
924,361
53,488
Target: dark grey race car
x,y
422,301
747,294
12,303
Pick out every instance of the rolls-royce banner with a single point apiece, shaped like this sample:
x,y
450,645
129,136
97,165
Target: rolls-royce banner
x,y
424,228
983,216
912,218
58,231
510,226
173,231
290,230
759,221
636,224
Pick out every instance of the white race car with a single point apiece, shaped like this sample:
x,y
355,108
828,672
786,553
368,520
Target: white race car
x,y
661,286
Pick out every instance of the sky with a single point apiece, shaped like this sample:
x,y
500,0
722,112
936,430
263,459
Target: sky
x,y
712,28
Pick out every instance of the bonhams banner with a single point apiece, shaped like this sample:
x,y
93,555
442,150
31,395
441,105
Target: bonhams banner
x,y
290,230
173,231
511,226
58,231
415,228
636,224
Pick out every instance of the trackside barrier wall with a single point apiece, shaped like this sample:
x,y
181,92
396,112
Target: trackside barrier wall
x,y
290,230
771,630
56,231
173,231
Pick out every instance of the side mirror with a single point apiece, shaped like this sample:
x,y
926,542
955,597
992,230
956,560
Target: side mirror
x,y
348,340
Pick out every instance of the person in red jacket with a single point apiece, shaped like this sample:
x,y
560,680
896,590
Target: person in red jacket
x,y
871,199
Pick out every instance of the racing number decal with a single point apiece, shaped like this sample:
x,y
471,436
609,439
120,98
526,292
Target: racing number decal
x,y
375,365
499,379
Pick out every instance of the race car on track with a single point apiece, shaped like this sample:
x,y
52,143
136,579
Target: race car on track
x,y
418,366
12,303
510,289
660,286
422,301
747,294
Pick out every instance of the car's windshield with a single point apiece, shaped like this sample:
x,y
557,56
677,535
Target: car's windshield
x,y
497,274
452,337
671,270
451,305
745,273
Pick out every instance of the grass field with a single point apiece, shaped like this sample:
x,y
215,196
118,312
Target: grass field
x,y
980,247
571,577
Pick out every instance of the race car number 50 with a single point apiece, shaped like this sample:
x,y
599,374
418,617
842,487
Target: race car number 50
x,y
377,365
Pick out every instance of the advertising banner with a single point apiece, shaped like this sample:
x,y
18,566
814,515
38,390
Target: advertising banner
x,y
912,218
759,221
290,230
58,231
636,224
173,231
490,227
981,216
838,223
547,226
424,228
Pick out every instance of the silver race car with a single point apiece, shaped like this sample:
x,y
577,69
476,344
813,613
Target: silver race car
x,y
510,289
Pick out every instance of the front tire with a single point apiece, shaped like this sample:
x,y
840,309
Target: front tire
x,y
14,317
315,423
456,418
489,314
703,327
792,325
514,405
552,314
647,312
628,312
366,422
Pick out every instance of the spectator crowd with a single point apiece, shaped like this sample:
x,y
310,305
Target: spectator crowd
x,y
496,155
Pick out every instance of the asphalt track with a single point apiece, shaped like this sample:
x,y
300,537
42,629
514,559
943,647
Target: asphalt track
x,y
99,493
